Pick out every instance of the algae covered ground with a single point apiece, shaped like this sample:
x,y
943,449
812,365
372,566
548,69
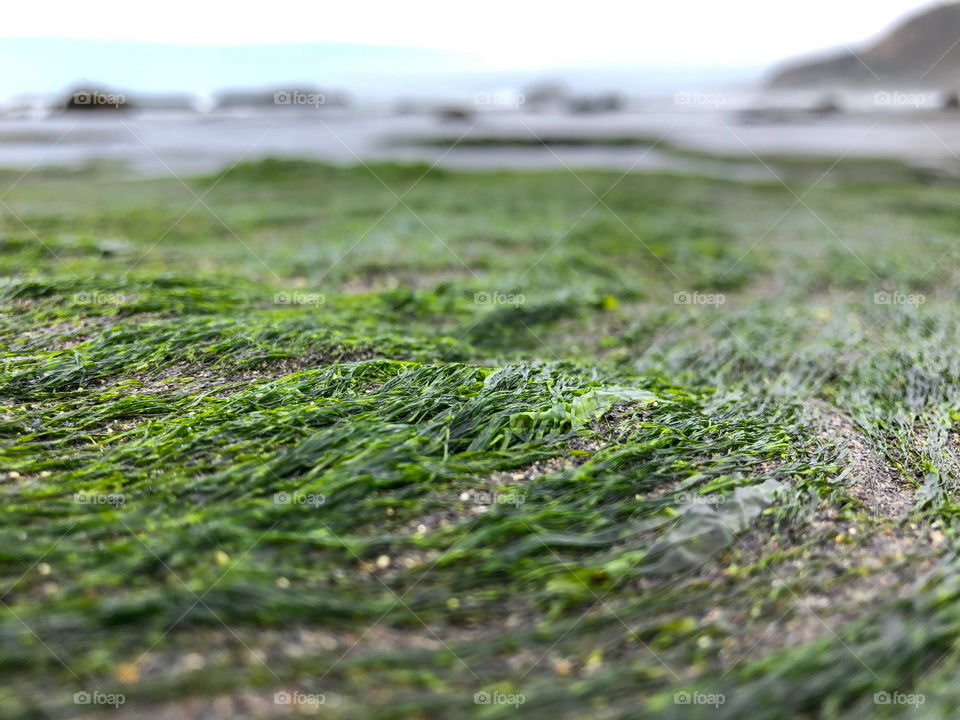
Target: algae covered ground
x,y
399,442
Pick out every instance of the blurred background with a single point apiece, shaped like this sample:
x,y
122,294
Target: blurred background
x,y
181,88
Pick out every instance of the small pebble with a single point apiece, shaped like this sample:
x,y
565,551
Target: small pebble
x,y
193,661
128,674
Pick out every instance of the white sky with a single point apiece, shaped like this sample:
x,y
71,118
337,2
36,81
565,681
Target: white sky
x,y
507,33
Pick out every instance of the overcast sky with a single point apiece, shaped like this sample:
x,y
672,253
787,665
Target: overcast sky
x,y
389,50
507,34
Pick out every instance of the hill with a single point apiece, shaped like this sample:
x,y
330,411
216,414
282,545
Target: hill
x,y
922,51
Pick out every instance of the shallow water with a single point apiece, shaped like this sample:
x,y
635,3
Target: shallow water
x,y
159,143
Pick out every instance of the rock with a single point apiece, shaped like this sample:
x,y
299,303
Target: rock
x,y
609,102
454,114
